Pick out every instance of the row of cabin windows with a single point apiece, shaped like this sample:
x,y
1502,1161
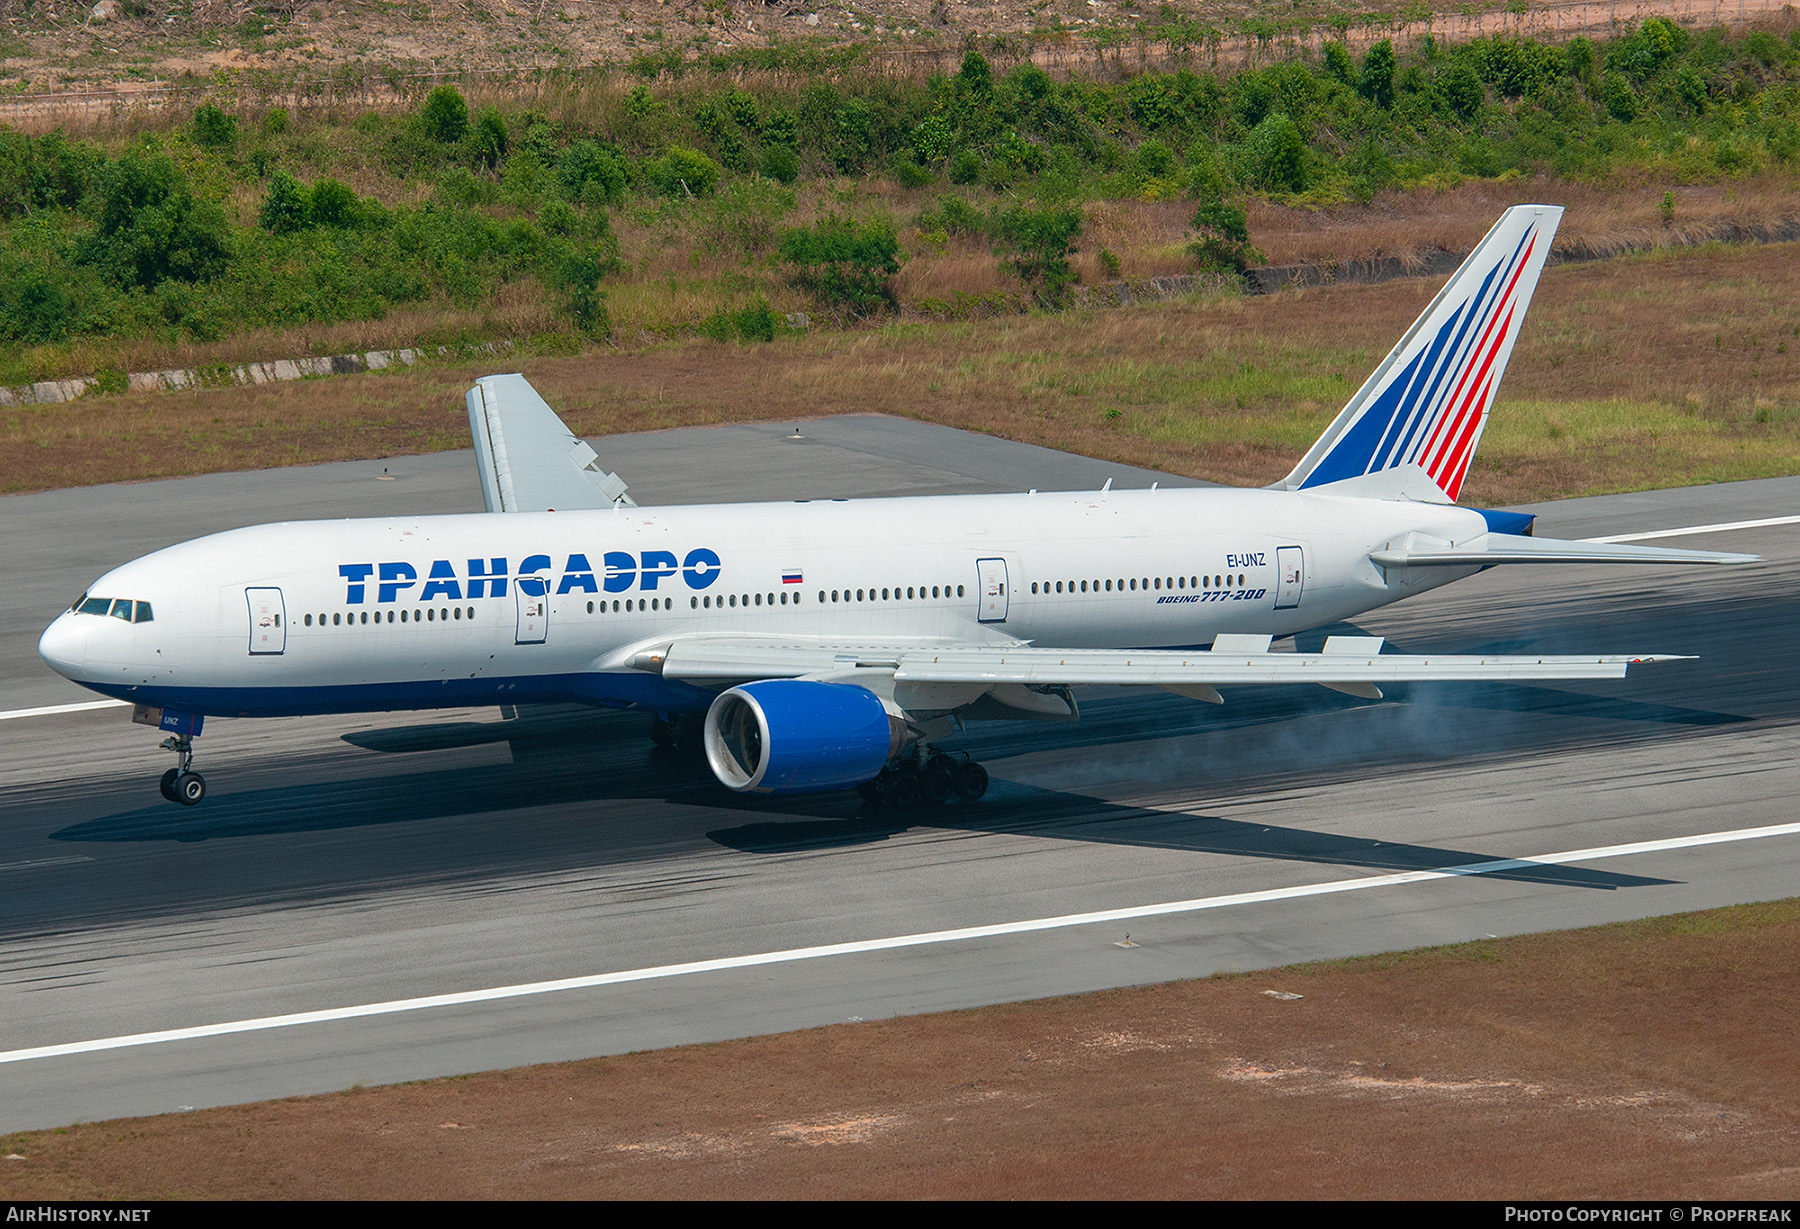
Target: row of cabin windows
x,y
1148,582
629,605
784,598
431,614
118,607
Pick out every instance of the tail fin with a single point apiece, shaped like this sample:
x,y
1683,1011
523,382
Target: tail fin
x,y
1424,408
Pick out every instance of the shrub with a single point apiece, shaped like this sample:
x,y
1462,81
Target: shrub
x,y
780,163
1377,82
285,205
1039,242
909,173
213,128
965,166
1223,243
276,121
334,204
445,115
683,172
488,138
1279,153
844,263
584,163
579,277
151,227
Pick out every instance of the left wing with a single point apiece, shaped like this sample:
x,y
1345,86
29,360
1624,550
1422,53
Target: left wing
x,y
528,460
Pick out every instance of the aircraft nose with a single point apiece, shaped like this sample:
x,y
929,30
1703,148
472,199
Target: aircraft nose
x,y
63,646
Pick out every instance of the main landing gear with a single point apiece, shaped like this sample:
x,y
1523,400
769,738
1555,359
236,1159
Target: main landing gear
x,y
181,783
928,780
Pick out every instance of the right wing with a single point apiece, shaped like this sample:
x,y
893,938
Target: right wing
x,y
946,676
528,460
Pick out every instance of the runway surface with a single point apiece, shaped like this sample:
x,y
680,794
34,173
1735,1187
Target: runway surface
x,y
349,862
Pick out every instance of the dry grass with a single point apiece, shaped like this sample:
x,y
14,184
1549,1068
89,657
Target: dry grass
x,y
1645,371
1598,217
1649,1060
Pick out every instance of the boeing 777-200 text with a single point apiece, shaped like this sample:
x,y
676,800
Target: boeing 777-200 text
x,y
821,645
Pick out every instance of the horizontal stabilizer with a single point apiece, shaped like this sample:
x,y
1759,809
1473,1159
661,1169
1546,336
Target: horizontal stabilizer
x,y
528,460
1498,548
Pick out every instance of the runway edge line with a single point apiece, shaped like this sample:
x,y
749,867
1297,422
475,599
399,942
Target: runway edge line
x,y
793,955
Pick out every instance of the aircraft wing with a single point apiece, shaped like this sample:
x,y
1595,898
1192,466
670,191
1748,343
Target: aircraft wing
x,y
528,460
1510,548
1351,663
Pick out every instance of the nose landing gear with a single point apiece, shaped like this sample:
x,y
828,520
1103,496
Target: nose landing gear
x,y
181,783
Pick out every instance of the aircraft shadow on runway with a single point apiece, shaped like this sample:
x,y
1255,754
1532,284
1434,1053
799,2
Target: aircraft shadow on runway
x,y
1035,813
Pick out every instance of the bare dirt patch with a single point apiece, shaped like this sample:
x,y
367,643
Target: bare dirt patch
x,y
377,50
1652,1060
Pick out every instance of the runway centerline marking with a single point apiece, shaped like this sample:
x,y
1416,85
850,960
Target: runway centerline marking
x,y
53,709
795,955
1693,529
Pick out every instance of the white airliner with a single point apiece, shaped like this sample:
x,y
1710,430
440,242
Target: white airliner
x,y
820,645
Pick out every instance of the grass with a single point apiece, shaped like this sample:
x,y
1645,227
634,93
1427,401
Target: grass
x,y
1655,370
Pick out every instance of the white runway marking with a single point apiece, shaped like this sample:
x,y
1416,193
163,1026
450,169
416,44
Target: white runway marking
x,y
1693,529
794,955
52,710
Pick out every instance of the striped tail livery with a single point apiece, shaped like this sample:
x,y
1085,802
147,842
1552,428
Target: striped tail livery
x,y
1420,415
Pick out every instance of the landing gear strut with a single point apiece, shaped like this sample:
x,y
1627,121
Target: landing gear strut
x,y
181,783
928,780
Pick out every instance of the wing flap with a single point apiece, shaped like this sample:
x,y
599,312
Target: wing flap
x,y
529,461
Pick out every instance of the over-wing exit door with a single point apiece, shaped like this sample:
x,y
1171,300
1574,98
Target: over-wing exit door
x,y
1290,576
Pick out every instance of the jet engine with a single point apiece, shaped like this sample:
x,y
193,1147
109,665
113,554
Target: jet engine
x,y
791,736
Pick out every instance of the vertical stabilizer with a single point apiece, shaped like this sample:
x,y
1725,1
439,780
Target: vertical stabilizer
x,y
1423,410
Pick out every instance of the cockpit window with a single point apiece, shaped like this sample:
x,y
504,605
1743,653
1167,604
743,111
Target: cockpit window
x,y
128,609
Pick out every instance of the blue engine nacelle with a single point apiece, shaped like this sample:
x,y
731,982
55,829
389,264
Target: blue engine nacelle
x,y
789,736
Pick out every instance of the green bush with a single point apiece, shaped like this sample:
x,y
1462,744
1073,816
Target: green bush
x,y
488,138
780,163
1280,154
152,229
1037,242
445,115
583,164
909,173
213,128
683,172
844,263
1223,242
286,205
